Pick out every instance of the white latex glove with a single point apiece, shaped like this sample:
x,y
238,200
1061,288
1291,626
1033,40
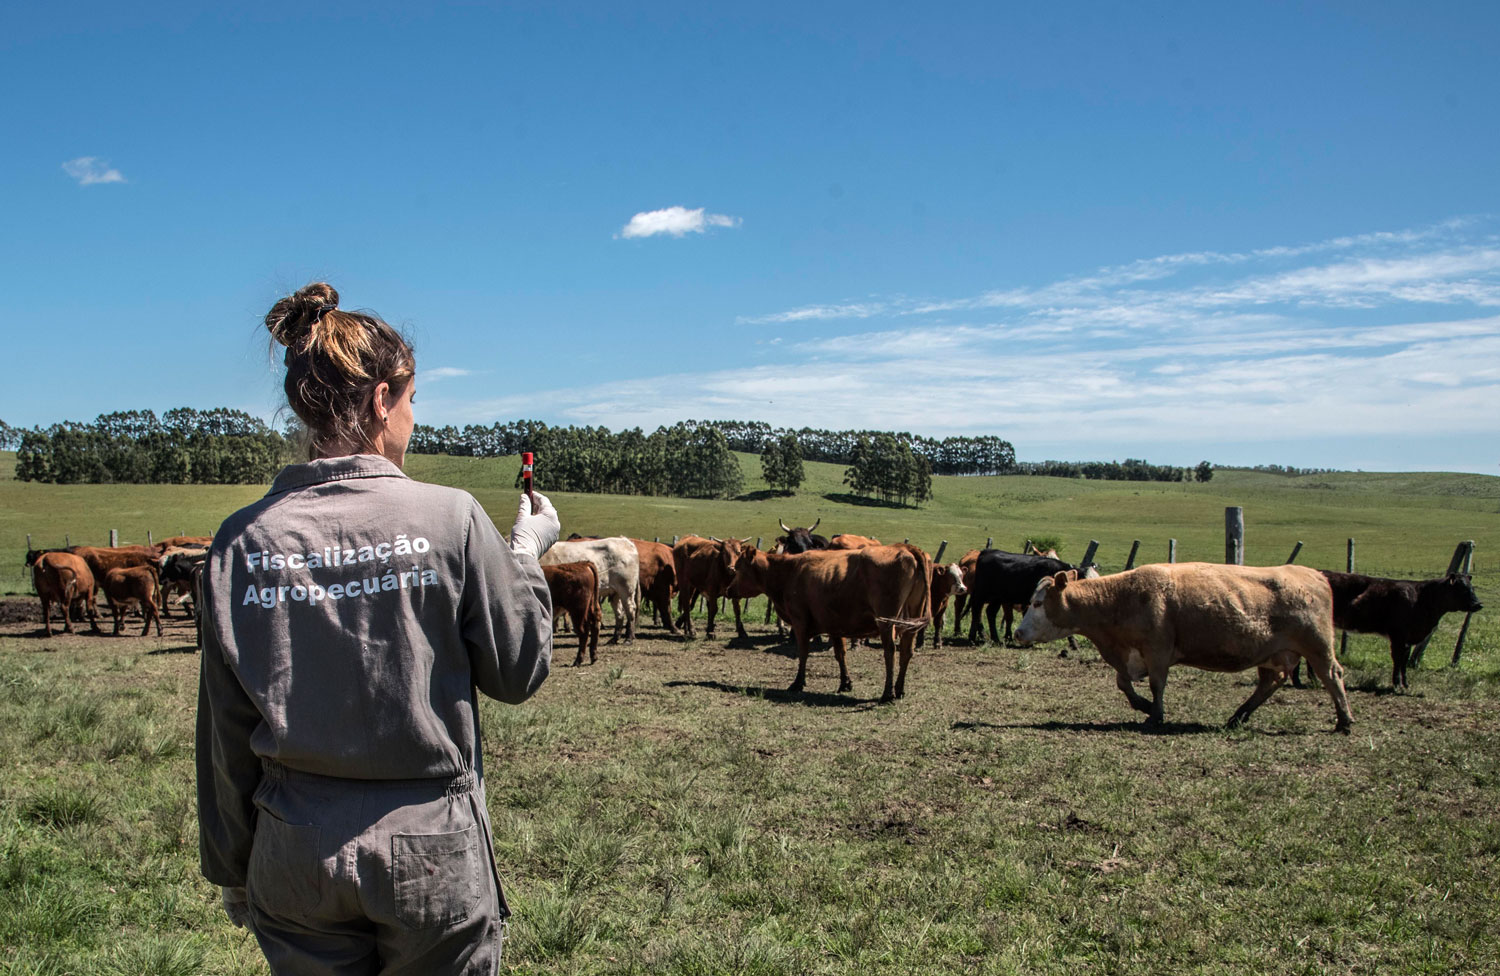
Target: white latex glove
x,y
237,906
534,532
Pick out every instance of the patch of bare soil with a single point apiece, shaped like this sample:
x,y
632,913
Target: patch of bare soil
x,y
21,618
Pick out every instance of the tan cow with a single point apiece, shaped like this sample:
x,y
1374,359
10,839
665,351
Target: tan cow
x,y
1204,615
131,585
845,540
850,593
575,591
63,577
947,582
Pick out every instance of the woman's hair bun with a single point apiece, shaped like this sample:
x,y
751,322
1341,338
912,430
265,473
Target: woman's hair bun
x,y
291,320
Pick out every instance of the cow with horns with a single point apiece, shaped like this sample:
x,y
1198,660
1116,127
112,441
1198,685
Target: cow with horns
x,y
799,540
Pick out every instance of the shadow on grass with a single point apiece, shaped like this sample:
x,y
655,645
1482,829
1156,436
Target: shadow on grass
x,y
765,643
781,695
845,498
1166,728
765,494
184,649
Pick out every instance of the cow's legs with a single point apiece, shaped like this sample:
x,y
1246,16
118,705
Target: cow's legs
x,y
685,598
614,605
1331,674
47,614
739,626
148,610
1270,680
631,610
1400,655
888,644
712,603
803,646
1008,615
989,612
959,603
907,640
840,654
583,636
1123,682
976,607
1158,681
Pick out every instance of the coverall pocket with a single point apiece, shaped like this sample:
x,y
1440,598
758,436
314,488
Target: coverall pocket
x,y
284,870
436,877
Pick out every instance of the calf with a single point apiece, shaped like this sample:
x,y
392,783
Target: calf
x,y
705,566
947,581
1218,618
63,577
619,567
575,591
135,584
1404,611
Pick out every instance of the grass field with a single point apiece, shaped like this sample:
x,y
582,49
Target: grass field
x,y
672,810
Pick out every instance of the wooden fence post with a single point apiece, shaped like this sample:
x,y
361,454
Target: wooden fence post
x,y
1135,547
1295,549
757,542
1088,555
1458,648
1171,550
674,540
1462,555
937,559
1348,568
28,542
148,537
1234,535
114,538
67,541
989,543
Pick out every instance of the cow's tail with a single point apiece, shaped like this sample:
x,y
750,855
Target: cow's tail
x,y
905,625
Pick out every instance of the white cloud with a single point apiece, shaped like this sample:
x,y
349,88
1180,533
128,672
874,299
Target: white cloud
x,y
675,221
88,170
442,373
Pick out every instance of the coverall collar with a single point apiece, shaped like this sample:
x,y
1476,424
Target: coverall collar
x,y
324,470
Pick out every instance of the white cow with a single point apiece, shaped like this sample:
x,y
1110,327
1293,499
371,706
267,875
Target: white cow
x,y
619,566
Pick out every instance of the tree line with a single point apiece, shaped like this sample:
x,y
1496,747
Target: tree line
x,y
182,446
1131,469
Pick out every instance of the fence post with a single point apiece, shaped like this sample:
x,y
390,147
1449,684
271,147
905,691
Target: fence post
x,y
114,538
674,540
1468,569
937,559
989,542
757,542
1234,535
1348,568
1171,550
28,542
148,537
1088,555
1135,547
656,538
67,541
1295,549
1462,555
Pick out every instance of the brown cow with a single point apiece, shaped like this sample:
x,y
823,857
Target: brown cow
x,y
849,593
135,584
658,579
745,588
703,566
1217,618
575,591
845,540
63,577
184,541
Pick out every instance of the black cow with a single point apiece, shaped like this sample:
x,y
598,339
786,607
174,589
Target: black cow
x,y
1007,579
800,540
1404,611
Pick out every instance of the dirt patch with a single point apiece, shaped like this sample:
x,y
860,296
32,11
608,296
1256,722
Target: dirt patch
x,y
20,610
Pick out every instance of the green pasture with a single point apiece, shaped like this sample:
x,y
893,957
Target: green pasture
x,y
673,810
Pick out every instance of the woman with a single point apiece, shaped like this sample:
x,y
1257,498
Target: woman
x,y
352,614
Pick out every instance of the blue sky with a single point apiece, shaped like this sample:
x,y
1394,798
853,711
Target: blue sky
x,y
1248,233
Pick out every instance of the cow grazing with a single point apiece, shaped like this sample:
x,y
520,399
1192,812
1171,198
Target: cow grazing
x,y
705,566
575,591
1406,612
947,581
618,564
844,540
63,577
1217,618
132,585
848,594
1006,580
799,540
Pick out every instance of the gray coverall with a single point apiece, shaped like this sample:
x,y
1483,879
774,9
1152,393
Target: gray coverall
x,y
351,615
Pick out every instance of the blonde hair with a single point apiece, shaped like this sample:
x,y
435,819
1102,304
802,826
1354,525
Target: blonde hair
x,y
334,361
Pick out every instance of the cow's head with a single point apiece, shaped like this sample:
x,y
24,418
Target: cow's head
x,y
1459,589
955,575
800,540
1044,611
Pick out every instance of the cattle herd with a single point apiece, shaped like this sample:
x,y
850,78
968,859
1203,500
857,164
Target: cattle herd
x,y
851,587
